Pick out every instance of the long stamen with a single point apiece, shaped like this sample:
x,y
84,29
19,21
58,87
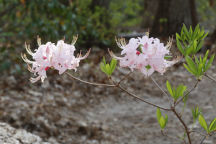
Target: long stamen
x,y
28,49
169,43
113,55
39,41
120,42
85,56
26,59
74,39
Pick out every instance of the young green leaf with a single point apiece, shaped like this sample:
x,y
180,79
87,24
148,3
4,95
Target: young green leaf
x,y
169,88
212,126
162,122
195,112
203,122
209,63
158,114
113,64
191,64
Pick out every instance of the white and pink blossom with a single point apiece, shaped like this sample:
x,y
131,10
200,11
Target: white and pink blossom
x,y
144,54
59,57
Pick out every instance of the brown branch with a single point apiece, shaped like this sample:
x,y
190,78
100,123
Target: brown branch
x,y
120,87
162,91
126,76
183,123
90,83
210,77
136,97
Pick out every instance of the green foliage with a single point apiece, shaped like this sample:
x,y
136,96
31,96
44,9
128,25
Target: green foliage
x,y
211,127
176,92
195,112
126,13
203,122
55,19
207,13
199,66
189,42
162,120
108,69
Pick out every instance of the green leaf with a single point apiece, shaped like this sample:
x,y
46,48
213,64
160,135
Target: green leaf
x,y
102,67
108,69
158,114
212,126
169,88
199,46
191,64
113,65
167,57
180,47
209,63
189,69
162,122
195,112
104,60
203,122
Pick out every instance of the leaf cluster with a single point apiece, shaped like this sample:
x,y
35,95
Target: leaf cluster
x,y
162,120
176,92
199,66
108,68
211,127
190,41
195,112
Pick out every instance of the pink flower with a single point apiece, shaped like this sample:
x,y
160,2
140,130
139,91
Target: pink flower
x,y
60,57
144,54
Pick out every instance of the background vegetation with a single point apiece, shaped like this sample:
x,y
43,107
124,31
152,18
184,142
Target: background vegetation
x,y
96,21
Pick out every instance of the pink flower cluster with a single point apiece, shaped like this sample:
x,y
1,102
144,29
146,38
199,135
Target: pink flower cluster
x,y
60,57
144,54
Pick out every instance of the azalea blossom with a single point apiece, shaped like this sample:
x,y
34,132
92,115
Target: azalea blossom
x,y
59,57
144,54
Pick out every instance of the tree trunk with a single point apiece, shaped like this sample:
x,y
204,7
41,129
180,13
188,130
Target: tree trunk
x,y
171,14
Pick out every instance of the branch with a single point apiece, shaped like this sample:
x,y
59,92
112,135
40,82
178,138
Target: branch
x,y
162,90
136,97
210,77
183,123
90,83
126,76
203,139
120,87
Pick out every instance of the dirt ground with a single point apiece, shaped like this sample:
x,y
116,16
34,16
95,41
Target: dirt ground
x,y
66,111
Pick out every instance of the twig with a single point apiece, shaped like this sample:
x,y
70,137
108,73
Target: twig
x,y
120,87
210,77
183,123
162,90
90,83
203,139
136,97
187,93
126,76
194,131
164,134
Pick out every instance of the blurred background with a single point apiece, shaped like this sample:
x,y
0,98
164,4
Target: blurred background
x,y
65,111
96,21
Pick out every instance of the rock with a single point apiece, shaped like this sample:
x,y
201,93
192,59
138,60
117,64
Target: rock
x,y
10,135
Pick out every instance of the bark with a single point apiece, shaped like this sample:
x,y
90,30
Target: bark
x,y
171,14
